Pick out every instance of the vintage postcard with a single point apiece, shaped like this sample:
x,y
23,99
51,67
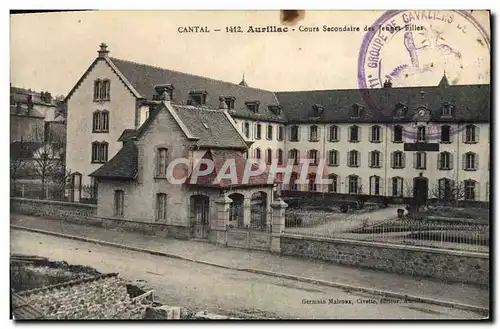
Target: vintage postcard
x,y
193,165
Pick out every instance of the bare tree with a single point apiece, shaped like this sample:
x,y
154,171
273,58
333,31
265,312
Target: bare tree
x,y
449,192
17,162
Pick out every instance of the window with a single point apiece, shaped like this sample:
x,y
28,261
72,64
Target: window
x,y
229,102
258,129
280,133
334,133
96,121
253,106
313,155
257,154
375,136
99,152
294,133
334,183
445,134
397,134
333,158
471,134
246,129
397,186
445,189
279,155
420,160
293,181
102,90
353,158
447,110
100,121
470,189
269,134
269,156
445,161
294,154
375,185
161,206
161,162
353,184
313,133
198,97
354,132
356,111
421,134
470,161
398,160
312,182
119,197
374,159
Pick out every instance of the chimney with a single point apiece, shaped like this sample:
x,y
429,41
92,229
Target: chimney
x,y
164,96
387,84
30,103
222,103
103,51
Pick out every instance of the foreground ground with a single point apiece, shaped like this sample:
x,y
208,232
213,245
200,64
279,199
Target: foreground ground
x,y
198,286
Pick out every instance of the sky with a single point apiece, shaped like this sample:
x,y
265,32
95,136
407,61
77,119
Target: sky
x,y
51,51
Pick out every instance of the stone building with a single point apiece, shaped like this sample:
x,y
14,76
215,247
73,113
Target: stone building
x,y
359,134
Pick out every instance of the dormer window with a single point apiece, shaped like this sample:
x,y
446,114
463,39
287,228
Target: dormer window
x,y
229,102
317,110
276,109
198,97
253,106
356,111
447,109
161,90
400,110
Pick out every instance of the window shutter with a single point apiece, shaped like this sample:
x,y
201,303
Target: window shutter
x,y
360,138
338,133
451,161
476,134
415,160
358,158
372,185
298,133
389,186
450,135
464,158
425,160
349,154
349,133
381,188
336,158
392,159
464,134
346,185
381,133
360,186
477,191
370,138
370,159
476,161
439,160
393,133
403,159
380,161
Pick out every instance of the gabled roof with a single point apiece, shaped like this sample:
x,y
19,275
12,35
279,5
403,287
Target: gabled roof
x,y
122,166
144,78
219,157
472,103
212,127
127,134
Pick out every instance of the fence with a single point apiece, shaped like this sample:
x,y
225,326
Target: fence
x,y
253,233
451,233
50,191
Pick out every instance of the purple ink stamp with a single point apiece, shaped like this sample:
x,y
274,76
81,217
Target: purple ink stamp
x,y
414,48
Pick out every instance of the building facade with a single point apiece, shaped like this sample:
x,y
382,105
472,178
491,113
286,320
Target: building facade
x,y
358,135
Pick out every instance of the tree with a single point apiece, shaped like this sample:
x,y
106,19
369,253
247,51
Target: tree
x,y
448,191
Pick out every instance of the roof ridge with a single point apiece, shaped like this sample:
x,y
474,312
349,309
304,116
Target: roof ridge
x,y
67,284
190,74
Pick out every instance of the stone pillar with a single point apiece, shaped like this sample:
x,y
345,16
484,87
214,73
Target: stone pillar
x,y
247,211
218,227
278,227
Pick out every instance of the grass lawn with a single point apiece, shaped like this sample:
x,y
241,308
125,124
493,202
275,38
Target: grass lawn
x,y
471,213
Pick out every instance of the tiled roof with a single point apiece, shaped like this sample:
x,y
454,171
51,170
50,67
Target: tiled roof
x,y
122,166
212,127
23,310
21,95
219,157
472,103
144,78
23,111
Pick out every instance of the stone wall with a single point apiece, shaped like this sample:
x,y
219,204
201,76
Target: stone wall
x,y
446,265
52,209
